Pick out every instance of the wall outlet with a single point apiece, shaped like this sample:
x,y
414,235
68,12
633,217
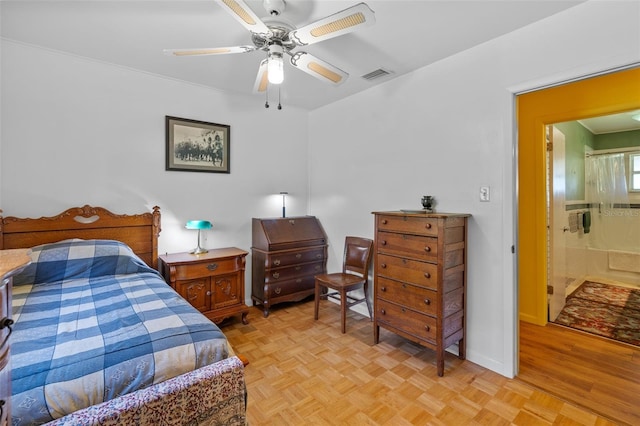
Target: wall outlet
x,y
485,194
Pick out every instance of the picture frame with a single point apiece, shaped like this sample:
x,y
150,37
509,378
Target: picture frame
x,y
197,146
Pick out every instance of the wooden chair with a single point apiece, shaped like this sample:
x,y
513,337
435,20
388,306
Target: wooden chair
x,y
354,275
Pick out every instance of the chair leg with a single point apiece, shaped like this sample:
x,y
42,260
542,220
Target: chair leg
x,y
317,300
343,310
366,299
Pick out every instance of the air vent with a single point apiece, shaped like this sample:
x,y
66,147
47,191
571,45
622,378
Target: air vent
x,y
376,74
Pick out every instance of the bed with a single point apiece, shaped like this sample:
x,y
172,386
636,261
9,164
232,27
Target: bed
x,y
100,338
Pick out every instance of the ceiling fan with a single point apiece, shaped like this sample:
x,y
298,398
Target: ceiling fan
x,y
277,38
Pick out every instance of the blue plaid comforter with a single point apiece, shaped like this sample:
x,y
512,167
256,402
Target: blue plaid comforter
x,y
93,322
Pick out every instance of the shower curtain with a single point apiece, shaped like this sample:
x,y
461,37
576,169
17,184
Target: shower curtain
x,y
606,191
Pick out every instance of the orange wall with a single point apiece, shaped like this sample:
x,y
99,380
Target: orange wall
x,y
602,95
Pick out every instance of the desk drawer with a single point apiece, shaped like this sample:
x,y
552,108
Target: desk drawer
x,y
290,272
294,257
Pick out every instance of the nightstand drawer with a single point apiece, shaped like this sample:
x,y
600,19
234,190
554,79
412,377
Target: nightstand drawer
x,y
206,269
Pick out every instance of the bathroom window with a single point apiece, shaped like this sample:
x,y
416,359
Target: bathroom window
x,y
634,172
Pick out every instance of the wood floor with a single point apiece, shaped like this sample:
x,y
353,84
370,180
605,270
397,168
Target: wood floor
x,y
305,372
587,370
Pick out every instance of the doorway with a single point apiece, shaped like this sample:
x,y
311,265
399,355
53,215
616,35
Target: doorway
x,y
602,95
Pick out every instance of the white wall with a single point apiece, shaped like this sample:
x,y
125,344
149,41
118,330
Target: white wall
x,y
81,132
448,129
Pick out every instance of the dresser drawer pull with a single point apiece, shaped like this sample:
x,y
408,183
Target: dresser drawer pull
x,y
427,249
276,275
209,293
299,280
298,255
383,289
278,290
383,312
276,262
212,266
427,301
318,268
383,242
319,256
300,267
383,265
427,275
384,221
428,226
426,327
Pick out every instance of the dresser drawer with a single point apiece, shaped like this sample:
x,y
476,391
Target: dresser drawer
x,y
414,297
412,271
411,322
408,245
290,272
408,224
294,257
206,269
287,287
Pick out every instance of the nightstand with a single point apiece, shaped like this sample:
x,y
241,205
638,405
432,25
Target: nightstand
x,y
212,282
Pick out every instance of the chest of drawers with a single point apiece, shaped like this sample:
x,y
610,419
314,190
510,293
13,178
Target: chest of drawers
x,y
287,253
420,279
212,282
11,262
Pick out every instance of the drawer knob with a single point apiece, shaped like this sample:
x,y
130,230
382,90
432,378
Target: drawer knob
x,y
427,301
428,226
427,249
209,293
276,262
212,266
298,255
426,327
404,310
299,267
427,275
383,242
383,289
384,221
383,265
383,312
319,256
299,280
276,275
278,290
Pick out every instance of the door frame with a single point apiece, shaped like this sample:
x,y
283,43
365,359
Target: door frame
x,y
601,95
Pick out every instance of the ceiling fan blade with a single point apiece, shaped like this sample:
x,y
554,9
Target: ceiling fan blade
x,y
262,81
209,51
318,68
243,13
340,23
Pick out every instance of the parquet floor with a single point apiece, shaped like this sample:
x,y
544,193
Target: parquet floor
x,y
587,370
305,372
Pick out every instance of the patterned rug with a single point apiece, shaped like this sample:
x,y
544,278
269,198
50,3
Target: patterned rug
x,y
606,310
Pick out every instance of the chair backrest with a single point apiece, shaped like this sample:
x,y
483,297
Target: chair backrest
x,y
357,255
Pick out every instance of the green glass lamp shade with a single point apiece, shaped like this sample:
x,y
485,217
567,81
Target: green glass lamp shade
x,y
199,225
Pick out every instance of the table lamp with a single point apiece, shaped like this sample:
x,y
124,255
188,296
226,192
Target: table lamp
x,y
199,225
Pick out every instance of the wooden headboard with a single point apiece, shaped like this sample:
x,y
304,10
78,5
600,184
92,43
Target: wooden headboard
x,y
140,231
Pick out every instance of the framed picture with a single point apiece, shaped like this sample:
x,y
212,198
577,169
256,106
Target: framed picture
x,y
197,146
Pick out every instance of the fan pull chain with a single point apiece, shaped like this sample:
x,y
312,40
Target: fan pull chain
x,y
266,103
279,104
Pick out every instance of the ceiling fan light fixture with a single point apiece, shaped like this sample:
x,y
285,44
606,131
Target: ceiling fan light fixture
x,y
275,64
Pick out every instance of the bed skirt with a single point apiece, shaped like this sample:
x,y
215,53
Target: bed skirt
x,y
211,395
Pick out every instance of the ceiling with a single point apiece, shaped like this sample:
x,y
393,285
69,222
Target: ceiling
x,y
407,35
